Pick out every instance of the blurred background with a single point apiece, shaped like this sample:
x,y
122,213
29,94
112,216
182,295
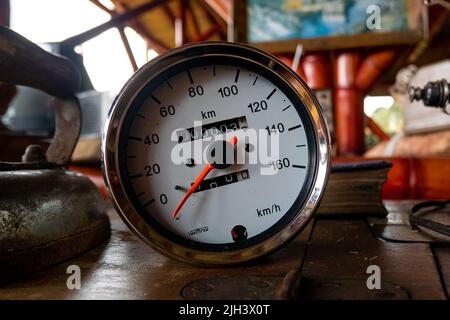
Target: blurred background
x,y
359,57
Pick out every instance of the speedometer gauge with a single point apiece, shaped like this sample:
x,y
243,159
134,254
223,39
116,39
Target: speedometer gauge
x,y
215,153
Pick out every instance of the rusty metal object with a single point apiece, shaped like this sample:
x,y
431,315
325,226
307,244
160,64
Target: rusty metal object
x,y
34,153
68,126
24,63
67,130
47,213
47,216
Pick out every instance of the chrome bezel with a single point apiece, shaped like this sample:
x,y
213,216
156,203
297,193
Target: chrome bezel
x,y
110,159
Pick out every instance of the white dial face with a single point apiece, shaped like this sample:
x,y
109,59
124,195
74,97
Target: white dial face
x,y
233,204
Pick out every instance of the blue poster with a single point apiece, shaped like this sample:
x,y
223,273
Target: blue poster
x,y
270,20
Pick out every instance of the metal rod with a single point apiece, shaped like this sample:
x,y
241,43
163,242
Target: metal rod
x,y
102,6
127,46
297,57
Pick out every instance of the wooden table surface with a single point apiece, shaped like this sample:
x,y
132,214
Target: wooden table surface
x,y
331,254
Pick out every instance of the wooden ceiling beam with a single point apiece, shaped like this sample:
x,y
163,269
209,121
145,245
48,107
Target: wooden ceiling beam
x,y
220,8
205,36
193,19
169,14
116,21
214,18
156,44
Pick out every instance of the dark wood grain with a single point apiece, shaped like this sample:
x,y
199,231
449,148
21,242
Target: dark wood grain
x,y
343,249
126,268
443,262
334,267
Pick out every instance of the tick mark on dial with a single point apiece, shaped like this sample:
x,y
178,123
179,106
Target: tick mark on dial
x,y
294,127
300,145
214,71
140,194
134,138
148,203
239,233
298,166
155,99
236,78
286,108
136,176
255,80
131,157
140,116
190,76
168,84
271,94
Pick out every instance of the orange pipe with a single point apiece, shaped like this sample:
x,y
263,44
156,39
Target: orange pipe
x,y
373,67
287,60
316,68
345,69
349,113
349,118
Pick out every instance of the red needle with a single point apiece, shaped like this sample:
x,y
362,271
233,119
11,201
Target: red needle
x,y
197,182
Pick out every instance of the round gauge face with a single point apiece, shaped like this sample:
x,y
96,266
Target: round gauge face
x,y
215,154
